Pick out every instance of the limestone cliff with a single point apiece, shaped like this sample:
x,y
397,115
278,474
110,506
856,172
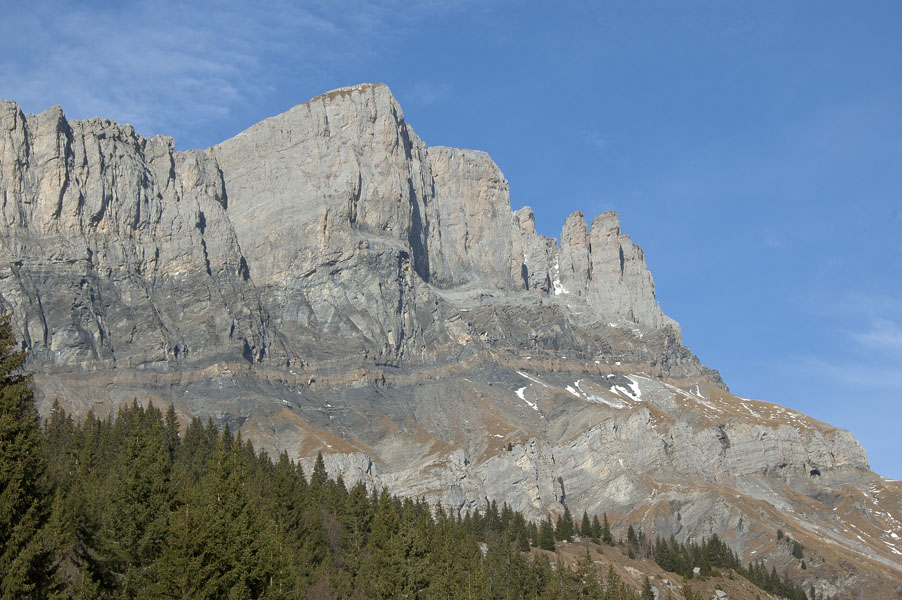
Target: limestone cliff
x,y
324,281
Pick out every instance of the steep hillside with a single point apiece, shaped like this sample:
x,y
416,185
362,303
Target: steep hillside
x,y
324,281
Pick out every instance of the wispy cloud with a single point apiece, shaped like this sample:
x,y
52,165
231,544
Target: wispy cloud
x,y
773,239
427,92
863,303
855,377
882,335
147,67
594,139
173,67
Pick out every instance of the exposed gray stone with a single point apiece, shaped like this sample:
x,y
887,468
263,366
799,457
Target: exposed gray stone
x,y
324,281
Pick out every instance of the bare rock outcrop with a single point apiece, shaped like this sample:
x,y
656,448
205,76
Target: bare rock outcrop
x,y
116,250
325,282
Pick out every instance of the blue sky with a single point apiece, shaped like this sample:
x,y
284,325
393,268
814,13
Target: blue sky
x,y
753,149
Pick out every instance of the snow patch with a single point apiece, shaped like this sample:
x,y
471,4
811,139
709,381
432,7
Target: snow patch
x,y
522,396
634,385
619,389
632,392
579,392
556,282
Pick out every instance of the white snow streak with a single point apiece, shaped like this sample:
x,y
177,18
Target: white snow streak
x,y
612,402
746,406
533,379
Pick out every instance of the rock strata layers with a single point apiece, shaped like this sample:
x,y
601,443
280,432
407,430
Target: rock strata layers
x,y
325,282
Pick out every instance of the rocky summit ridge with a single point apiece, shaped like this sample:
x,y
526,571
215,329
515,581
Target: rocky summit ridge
x,y
325,282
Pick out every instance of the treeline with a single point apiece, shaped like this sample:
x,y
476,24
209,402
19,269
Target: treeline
x,y
129,508
713,554
141,512
132,508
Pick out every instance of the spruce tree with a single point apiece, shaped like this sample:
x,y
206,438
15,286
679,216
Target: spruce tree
x,y
564,529
631,535
606,535
687,592
25,560
320,476
546,535
139,496
585,528
596,529
612,583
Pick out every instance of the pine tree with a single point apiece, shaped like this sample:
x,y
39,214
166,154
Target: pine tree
x,y
596,529
25,559
606,535
687,592
172,431
798,550
216,544
546,535
564,529
533,531
585,528
587,577
631,535
139,495
319,475
612,583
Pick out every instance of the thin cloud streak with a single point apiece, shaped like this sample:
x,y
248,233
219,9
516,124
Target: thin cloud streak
x,y
594,139
882,335
173,68
887,377
427,93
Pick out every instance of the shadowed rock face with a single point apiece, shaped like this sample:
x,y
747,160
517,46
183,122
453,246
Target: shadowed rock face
x,y
325,282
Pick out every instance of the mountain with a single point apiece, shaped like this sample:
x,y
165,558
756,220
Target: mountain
x,y
325,282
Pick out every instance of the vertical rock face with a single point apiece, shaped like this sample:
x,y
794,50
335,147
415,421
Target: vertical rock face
x,y
473,236
116,250
328,202
351,226
324,281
